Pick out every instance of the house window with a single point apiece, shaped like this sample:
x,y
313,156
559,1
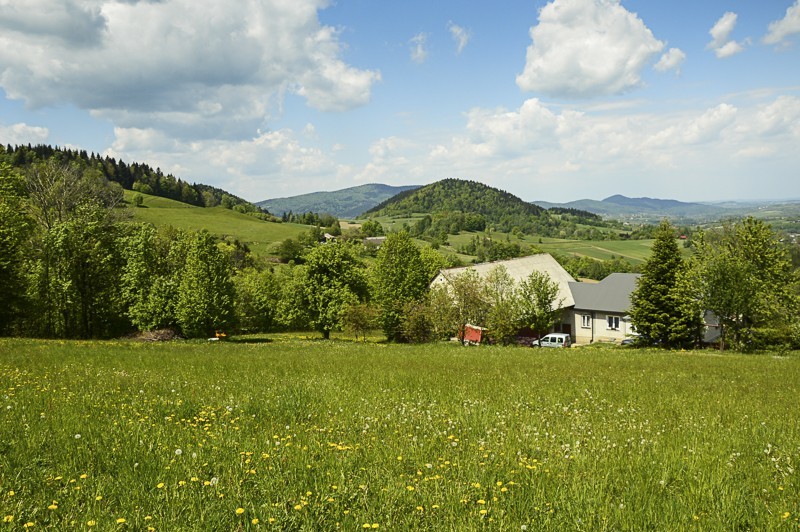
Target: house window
x,y
613,323
586,321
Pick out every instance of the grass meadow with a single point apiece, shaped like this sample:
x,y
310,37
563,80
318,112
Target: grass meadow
x,y
302,434
259,235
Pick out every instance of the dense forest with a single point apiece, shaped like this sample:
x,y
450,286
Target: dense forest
x,y
134,176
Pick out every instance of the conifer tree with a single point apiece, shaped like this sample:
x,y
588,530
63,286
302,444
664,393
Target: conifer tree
x,y
661,306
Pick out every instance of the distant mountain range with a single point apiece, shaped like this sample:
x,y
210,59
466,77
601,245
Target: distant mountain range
x,y
623,207
345,203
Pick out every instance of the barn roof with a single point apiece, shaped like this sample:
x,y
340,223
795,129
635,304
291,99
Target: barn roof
x,y
519,270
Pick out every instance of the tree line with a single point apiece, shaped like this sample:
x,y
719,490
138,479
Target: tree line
x,y
135,176
740,276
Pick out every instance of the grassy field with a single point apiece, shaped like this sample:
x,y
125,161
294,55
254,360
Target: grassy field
x,y
257,234
303,434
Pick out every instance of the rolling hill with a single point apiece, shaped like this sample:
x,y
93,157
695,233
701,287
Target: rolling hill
x,y
259,235
345,203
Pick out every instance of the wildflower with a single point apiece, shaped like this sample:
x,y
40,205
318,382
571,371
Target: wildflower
x,y
239,511
366,525
29,524
91,523
786,515
481,501
10,493
99,498
53,507
83,477
483,512
160,485
8,518
298,506
121,521
214,481
254,521
410,488
375,525
271,520
178,452
148,517
181,483
77,436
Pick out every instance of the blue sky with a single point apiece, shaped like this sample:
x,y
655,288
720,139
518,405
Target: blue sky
x,y
558,100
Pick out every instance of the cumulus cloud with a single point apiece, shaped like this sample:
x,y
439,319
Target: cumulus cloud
x,y
585,48
671,60
23,134
459,35
789,25
418,51
722,45
196,68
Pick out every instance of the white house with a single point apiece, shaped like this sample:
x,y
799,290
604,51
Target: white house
x,y
600,312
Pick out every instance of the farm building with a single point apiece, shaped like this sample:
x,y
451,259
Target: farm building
x,y
601,309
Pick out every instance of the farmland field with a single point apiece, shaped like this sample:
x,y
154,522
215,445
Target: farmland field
x,y
295,433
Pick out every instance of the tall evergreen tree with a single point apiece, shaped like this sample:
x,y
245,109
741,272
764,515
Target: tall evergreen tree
x,y
661,308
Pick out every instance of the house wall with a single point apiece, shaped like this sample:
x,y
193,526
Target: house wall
x,y
596,329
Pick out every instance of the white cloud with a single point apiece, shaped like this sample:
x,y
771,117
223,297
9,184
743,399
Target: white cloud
x,y
459,35
584,48
780,30
23,134
418,51
196,69
671,60
720,33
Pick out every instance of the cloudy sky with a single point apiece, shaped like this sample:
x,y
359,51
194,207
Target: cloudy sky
x,y
557,100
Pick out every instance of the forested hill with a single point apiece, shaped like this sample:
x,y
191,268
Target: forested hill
x,y
345,203
457,195
134,176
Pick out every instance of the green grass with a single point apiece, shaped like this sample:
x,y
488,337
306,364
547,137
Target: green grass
x,y
318,435
257,234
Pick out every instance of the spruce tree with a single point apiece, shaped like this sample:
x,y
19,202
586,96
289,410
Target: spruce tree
x,y
661,306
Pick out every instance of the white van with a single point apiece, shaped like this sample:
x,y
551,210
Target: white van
x,y
554,340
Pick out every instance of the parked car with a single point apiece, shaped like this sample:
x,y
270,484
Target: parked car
x,y
554,340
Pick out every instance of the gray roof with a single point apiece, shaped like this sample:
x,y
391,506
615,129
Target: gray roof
x,y
612,294
519,270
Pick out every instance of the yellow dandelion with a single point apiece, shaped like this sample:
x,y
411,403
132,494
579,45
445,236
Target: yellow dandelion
x,y
8,519
254,521
29,524
410,488
181,483
91,523
298,506
271,520
148,517
11,493
239,511
420,508
151,529
160,485
99,498
481,501
483,512
121,521
53,507
786,515
84,476
375,525
194,479
206,483
366,525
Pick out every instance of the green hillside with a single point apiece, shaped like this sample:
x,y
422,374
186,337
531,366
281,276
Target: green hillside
x,y
257,234
345,203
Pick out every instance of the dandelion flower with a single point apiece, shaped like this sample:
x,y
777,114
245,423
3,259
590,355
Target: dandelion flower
x,y
77,436
298,506
786,515
271,520
375,525
254,521
91,523
160,485
483,512
29,524
481,501
239,511
53,507
410,488
8,518
148,517
366,525
99,498
178,452
121,521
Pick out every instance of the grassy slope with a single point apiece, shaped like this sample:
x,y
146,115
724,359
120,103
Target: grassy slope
x,y
257,234
316,435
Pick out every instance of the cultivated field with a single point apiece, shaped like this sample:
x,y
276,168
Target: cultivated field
x,y
304,434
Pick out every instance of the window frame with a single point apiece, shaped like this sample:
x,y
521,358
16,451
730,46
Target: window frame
x,y
612,322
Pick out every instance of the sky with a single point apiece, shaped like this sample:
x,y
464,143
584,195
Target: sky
x,y
550,100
